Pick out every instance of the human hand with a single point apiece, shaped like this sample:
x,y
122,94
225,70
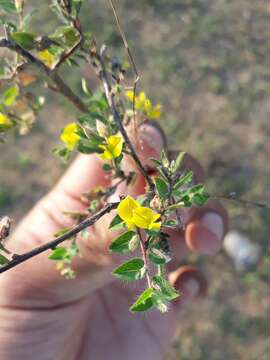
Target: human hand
x,y
43,316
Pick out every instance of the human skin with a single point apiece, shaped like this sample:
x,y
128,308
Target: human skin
x,y
45,317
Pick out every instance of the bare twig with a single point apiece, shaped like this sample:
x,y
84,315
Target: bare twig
x,y
244,202
131,58
143,250
18,259
102,74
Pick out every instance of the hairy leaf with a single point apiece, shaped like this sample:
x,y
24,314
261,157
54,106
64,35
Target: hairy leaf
x,y
121,244
144,301
131,270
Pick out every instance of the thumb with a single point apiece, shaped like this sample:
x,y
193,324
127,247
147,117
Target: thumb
x,y
46,218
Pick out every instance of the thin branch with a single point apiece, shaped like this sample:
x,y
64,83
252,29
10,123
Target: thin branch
x,y
143,250
247,203
102,74
125,42
61,86
18,259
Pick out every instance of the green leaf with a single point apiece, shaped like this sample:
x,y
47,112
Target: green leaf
x,y
117,223
61,232
85,147
131,270
178,161
184,179
24,39
121,244
3,260
144,301
200,199
85,87
10,95
59,253
166,289
164,159
162,188
8,6
63,152
170,224
106,167
158,256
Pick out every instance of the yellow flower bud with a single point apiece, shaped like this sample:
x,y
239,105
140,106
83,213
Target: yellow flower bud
x,y
112,148
69,136
5,122
46,57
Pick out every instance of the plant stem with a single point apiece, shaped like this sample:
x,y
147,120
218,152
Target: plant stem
x,y
18,259
143,250
61,86
102,74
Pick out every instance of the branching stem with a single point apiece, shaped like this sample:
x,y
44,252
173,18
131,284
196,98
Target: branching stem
x,y
18,259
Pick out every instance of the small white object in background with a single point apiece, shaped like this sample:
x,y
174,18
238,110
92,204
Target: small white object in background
x,y
241,250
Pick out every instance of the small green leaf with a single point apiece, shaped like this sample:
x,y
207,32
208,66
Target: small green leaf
x,y
117,223
158,256
3,260
24,39
170,224
144,301
162,188
106,167
184,179
200,199
61,232
8,6
63,152
10,95
121,244
178,161
164,159
85,87
59,253
131,270
167,290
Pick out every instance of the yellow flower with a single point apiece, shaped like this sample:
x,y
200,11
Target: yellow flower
x,y
136,215
112,148
46,57
154,112
69,136
145,218
125,210
143,103
5,122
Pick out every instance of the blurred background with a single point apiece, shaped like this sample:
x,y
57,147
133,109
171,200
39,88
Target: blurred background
x,y
208,63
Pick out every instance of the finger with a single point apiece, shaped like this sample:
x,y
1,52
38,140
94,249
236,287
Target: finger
x,y
148,140
206,226
190,283
177,238
39,226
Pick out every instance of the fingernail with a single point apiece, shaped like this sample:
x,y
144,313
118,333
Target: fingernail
x,y
214,223
191,288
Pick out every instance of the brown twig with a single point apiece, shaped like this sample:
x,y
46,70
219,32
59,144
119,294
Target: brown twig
x,y
18,259
244,202
61,86
143,250
102,74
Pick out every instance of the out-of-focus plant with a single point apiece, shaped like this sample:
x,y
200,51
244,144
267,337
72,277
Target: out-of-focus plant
x,y
35,59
